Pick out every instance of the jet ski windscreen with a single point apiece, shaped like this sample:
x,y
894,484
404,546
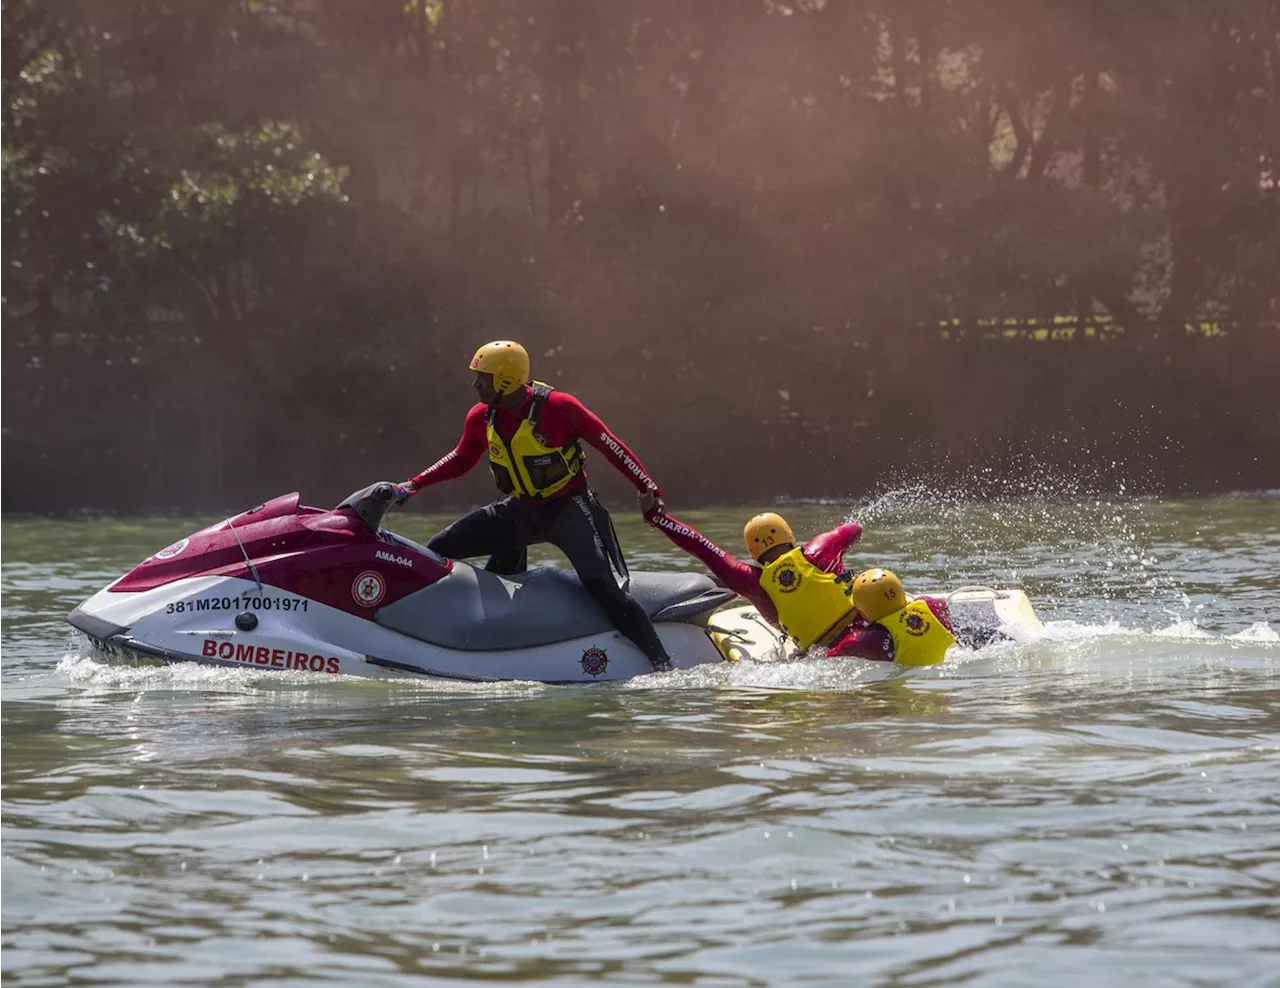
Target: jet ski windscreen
x,y
371,503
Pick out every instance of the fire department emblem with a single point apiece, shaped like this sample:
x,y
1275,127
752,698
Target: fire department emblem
x,y
594,661
788,578
913,624
169,551
369,588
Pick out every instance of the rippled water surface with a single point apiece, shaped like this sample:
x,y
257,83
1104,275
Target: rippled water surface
x,y
1096,804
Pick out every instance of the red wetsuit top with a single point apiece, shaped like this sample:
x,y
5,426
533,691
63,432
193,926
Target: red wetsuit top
x,y
563,420
826,551
873,641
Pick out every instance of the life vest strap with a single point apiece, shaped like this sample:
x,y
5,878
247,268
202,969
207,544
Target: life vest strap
x,y
836,630
541,392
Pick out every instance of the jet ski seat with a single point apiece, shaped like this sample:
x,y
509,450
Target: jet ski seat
x,y
478,611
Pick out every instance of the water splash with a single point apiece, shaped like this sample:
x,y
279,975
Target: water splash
x,y
1083,524
1182,629
1259,631
92,669
1070,646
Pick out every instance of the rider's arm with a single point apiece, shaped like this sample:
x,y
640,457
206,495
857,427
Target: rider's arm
x,y
826,551
586,425
471,447
742,578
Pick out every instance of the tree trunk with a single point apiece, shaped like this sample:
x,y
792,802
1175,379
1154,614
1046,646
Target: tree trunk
x,y
562,79
473,149
1184,266
928,52
1090,174
1043,147
1024,137
898,44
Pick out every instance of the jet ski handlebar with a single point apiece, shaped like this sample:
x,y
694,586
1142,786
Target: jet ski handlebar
x,y
370,504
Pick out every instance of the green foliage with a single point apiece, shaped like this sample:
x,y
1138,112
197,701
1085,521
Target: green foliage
x,y
376,179
965,157
247,182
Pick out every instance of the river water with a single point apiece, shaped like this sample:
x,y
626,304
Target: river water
x,y
1097,803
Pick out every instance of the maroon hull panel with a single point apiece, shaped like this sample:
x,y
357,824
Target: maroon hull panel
x,y
332,557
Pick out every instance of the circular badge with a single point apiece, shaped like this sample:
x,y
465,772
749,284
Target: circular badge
x,y
914,623
788,578
595,661
169,551
369,588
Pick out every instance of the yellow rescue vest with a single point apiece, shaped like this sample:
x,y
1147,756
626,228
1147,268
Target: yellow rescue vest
x,y
811,602
919,638
523,465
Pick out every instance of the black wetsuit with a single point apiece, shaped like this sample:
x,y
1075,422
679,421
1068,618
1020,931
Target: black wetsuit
x,y
580,527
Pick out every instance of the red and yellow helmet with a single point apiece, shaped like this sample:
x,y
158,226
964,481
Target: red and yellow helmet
x,y
508,362
765,531
877,593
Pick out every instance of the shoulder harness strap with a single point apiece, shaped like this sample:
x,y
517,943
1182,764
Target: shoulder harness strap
x,y
541,392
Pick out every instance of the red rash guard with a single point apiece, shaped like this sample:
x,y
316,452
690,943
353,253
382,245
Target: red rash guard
x,y
826,551
873,641
563,419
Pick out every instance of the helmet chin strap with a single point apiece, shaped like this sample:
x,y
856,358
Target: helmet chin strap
x,y
497,396
502,396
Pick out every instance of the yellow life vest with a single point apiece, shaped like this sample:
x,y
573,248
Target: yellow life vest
x,y
811,602
919,638
523,465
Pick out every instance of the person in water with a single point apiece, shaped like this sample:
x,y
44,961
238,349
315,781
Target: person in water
x,y
803,590
533,435
910,631
806,591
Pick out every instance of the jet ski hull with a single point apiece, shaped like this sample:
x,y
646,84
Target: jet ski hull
x,y
195,620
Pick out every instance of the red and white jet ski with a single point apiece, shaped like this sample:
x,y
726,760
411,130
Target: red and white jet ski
x,y
288,587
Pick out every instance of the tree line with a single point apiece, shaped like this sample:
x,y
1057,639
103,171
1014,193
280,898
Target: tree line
x,y
785,248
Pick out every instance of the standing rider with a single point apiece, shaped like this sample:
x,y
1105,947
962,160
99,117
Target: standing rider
x,y
533,437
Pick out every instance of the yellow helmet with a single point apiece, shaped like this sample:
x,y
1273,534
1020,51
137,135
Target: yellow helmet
x,y
877,593
508,363
765,531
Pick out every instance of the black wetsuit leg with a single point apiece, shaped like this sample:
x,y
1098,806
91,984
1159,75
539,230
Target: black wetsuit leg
x,y
511,562
583,531
498,530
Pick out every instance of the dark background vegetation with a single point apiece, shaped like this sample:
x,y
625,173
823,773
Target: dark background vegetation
x,y
783,248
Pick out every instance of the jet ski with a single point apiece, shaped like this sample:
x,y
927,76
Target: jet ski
x,y
284,586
